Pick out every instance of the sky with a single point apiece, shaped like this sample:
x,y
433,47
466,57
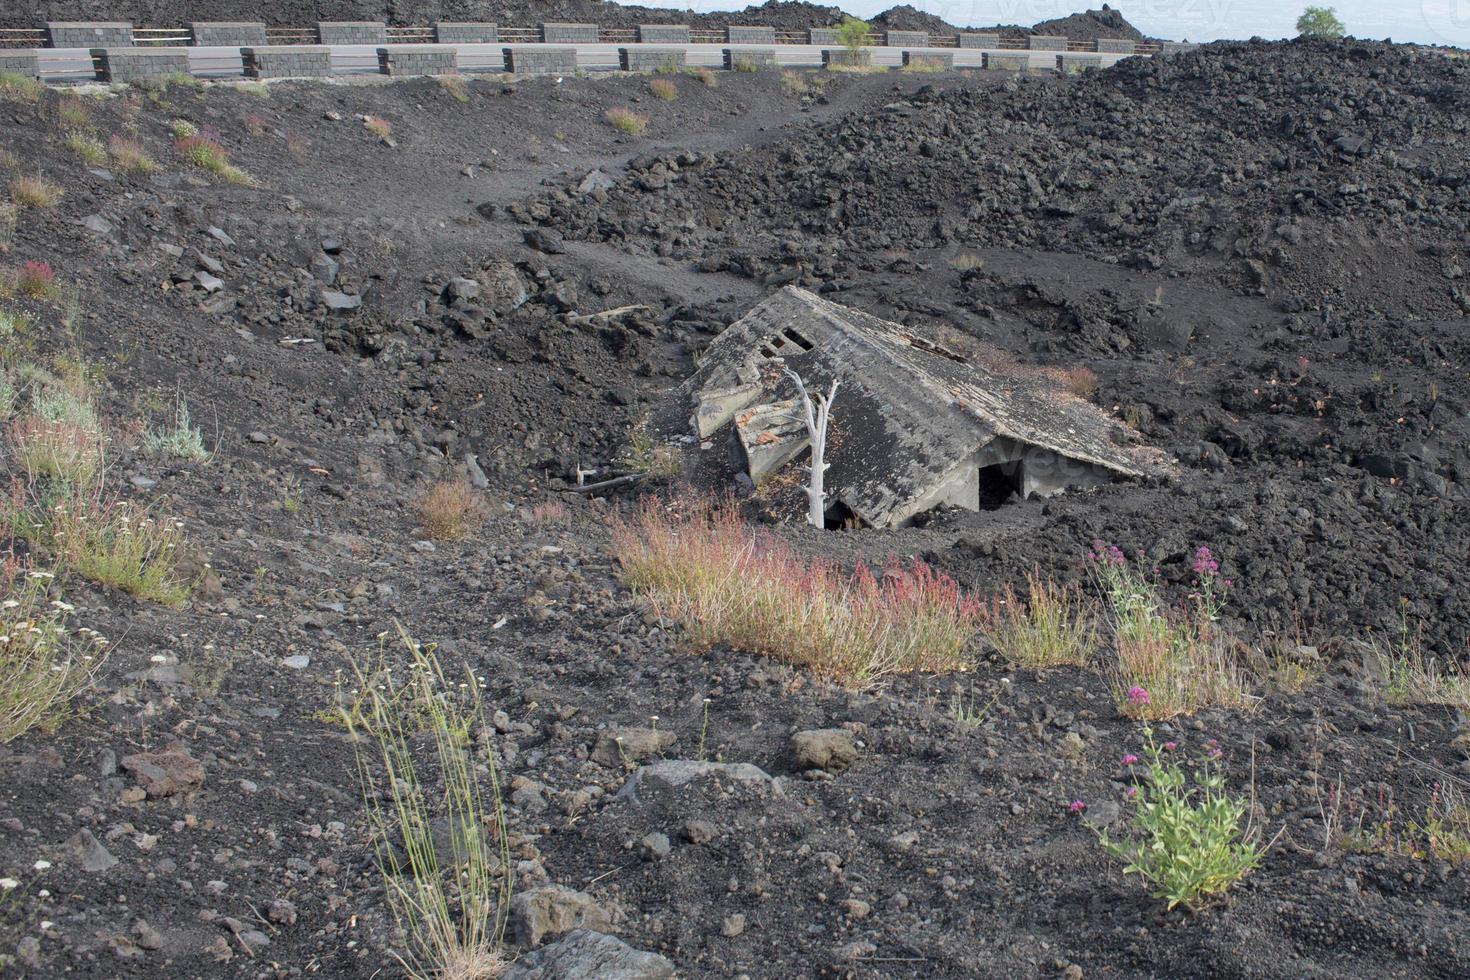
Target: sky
x,y
1424,21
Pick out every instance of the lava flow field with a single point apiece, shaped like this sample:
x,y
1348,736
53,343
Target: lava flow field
x,y
1249,258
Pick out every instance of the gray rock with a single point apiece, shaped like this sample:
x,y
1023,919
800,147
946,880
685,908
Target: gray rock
x,y
325,268
678,772
219,235
584,955
169,248
546,240
476,476
1100,816
828,749
462,288
299,661
210,264
627,746
164,773
654,846
97,224
340,301
89,851
596,180
551,910
210,284
502,290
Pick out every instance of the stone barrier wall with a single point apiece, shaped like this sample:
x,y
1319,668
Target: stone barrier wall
x,y
750,35
650,59
227,34
1077,61
569,33
843,58
1046,42
1005,61
663,34
417,59
1176,47
906,39
351,32
457,32
20,63
287,61
1107,45
541,61
133,64
759,57
979,40
928,59
821,35
89,34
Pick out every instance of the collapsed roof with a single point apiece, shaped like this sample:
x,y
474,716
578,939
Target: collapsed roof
x,y
913,426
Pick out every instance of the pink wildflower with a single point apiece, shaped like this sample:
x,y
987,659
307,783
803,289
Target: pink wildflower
x,y
1137,695
1130,759
1077,806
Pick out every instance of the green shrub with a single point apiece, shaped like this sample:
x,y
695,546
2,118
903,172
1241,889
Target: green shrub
x,y
852,34
1320,22
180,439
1185,832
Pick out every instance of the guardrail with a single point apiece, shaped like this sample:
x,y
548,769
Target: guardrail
x,y
182,36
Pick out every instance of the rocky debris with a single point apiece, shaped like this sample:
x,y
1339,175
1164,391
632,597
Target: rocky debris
x,y
551,910
625,747
89,852
654,847
828,749
340,302
166,773
588,955
678,772
545,240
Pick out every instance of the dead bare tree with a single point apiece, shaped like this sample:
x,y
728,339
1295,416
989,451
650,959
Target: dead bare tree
x,y
816,416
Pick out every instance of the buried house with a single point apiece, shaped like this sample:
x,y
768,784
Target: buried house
x,y
913,425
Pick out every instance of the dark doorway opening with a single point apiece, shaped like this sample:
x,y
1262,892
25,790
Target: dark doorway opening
x,y
998,484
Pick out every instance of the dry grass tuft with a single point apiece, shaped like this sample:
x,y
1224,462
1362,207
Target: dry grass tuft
x,y
435,812
457,87
73,114
1171,661
626,120
129,156
378,126
206,154
663,88
451,509
1080,381
706,77
729,584
1054,626
36,280
34,192
15,87
44,663
1411,675
794,83
88,147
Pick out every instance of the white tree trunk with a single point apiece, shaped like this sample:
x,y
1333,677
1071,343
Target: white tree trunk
x,y
816,429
